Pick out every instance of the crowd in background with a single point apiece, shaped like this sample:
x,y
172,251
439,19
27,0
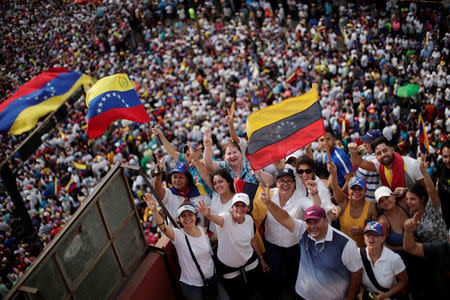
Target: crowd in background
x,y
188,68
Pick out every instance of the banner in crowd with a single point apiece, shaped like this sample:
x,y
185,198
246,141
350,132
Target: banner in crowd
x,y
38,97
110,99
281,129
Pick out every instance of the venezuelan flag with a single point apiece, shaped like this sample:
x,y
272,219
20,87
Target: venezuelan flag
x,y
423,138
38,97
292,77
80,167
71,185
281,129
112,98
58,186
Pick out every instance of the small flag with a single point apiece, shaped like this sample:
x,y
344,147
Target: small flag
x,y
63,136
82,168
113,98
281,129
424,145
71,185
292,77
38,97
58,186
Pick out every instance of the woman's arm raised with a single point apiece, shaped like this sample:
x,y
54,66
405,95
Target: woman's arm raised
x,y
166,229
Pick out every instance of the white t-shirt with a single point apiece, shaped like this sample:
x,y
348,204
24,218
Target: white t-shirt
x,y
173,202
201,247
389,265
217,207
234,248
411,165
276,233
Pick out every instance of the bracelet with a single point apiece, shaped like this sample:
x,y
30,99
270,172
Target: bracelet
x,y
389,294
160,224
315,194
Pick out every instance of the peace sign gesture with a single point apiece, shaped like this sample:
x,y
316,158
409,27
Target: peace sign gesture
x,y
229,117
207,140
264,196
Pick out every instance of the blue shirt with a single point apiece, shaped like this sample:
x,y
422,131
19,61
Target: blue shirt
x,y
342,162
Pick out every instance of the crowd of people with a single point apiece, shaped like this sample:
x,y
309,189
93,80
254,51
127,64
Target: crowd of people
x,y
190,67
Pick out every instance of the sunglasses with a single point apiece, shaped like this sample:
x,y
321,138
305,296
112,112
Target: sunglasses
x,y
307,171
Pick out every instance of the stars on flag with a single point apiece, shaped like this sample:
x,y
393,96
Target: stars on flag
x,y
110,97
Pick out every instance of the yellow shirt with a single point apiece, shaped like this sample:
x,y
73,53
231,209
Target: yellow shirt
x,y
348,221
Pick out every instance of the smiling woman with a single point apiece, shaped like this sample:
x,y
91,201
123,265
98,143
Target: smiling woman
x,y
282,249
191,242
385,274
180,188
237,251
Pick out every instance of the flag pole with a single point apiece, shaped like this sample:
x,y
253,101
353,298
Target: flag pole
x,y
327,148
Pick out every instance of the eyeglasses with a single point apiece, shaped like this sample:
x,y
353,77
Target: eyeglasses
x,y
307,171
285,181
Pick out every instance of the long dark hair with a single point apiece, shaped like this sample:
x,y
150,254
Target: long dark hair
x,y
420,191
222,172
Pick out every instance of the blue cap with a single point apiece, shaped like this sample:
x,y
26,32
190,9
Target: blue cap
x,y
357,181
179,167
371,135
374,226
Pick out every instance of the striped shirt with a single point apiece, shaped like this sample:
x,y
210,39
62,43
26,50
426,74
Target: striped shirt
x,y
372,178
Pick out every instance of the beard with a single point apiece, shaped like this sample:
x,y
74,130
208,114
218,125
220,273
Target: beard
x,y
388,161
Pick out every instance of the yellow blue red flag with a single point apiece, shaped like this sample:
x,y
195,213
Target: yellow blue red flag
x,y
38,97
113,98
278,130
423,138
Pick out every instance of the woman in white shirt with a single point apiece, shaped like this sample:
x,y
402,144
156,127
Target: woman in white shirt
x,y
191,280
237,251
387,266
282,247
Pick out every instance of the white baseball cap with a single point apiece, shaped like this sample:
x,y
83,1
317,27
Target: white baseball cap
x,y
382,191
240,197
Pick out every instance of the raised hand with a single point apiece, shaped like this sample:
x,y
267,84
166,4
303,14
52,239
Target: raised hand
x,y
312,187
202,208
229,118
156,131
423,164
353,147
412,224
264,196
207,141
150,201
332,169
